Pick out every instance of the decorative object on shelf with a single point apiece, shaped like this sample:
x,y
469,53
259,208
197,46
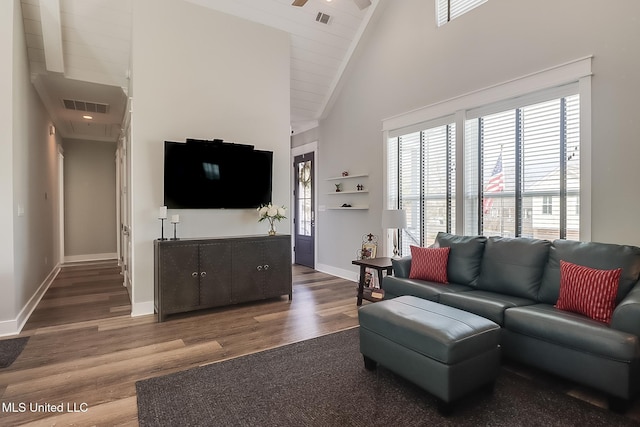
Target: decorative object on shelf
x,y
369,246
162,215
377,293
175,220
395,219
368,278
359,187
271,213
338,187
345,173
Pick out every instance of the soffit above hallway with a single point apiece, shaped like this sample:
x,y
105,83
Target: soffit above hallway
x,y
72,43
79,50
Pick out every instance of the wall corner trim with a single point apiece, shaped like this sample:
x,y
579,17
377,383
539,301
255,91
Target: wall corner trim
x,y
142,308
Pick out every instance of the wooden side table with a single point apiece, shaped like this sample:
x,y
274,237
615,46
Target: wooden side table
x,y
379,264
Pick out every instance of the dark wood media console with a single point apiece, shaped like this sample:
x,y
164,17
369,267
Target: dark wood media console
x,y
194,274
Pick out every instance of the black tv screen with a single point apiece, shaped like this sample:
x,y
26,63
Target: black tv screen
x,y
216,175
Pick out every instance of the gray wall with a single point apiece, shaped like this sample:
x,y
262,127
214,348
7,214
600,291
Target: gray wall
x,y
8,304
28,179
198,73
90,229
405,62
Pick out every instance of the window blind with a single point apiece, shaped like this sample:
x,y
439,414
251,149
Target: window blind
x,y
527,169
424,164
409,197
438,181
392,173
446,10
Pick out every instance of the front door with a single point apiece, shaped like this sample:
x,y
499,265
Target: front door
x,y
304,216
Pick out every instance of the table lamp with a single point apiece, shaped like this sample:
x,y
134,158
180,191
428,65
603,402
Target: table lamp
x,y
395,219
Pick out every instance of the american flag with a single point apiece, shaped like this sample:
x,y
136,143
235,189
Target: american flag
x,y
495,185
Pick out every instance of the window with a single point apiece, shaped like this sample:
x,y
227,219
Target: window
x,y
512,165
421,170
446,10
547,205
304,212
529,179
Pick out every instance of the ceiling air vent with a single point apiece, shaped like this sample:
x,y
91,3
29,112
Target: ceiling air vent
x,y
91,107
323,18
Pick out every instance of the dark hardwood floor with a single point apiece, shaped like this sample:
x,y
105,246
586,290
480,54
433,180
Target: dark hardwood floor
x,y
86,351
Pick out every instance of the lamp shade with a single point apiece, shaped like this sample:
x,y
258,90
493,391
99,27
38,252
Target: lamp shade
x,y
394,218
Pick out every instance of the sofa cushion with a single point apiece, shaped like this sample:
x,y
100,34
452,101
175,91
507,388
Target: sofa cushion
x,y
547,323
401,266
429,264
626,316
486,304
513,266
603,256
397,286
588,291
464,258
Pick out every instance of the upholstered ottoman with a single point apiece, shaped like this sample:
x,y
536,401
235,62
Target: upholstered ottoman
x,y
446,351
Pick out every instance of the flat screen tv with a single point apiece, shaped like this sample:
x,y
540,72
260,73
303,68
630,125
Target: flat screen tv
x,y
216,175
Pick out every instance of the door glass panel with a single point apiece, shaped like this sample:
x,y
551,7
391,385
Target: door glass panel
x,y
304,198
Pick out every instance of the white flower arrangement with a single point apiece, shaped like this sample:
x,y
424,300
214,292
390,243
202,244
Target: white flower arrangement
x,y
271,213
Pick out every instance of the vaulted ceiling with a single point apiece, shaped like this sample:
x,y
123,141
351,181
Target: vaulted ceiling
x,y
80,52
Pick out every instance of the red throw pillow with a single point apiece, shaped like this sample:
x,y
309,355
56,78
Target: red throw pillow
x,y
429,264
588,291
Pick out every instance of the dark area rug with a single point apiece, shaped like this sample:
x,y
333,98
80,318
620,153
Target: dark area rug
x,y
10,350
322,382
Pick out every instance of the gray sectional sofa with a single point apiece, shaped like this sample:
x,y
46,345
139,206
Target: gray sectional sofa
x,y
515,282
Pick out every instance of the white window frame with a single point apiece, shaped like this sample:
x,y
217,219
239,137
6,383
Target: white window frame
x,y
577,71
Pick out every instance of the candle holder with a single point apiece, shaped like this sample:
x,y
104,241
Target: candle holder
x,y
162,229
175,225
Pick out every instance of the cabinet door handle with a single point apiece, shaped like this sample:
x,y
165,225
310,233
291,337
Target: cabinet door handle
x,y
259,267
194,274
266,266
203,274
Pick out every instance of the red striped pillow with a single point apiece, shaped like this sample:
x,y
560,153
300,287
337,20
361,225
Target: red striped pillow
x,y
588,291
429,264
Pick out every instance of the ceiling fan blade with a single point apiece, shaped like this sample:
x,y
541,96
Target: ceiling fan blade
x,y
298,3
362,4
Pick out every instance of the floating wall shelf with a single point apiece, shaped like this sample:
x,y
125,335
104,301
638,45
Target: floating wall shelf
x,y
349,189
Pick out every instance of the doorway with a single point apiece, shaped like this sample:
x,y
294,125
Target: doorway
x,y
304,215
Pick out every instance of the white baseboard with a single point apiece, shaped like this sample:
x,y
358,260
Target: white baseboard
x,y
14,326
9,327
91,257
339,272
142,308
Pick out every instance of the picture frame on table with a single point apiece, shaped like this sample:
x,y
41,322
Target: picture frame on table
x,y
369,250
